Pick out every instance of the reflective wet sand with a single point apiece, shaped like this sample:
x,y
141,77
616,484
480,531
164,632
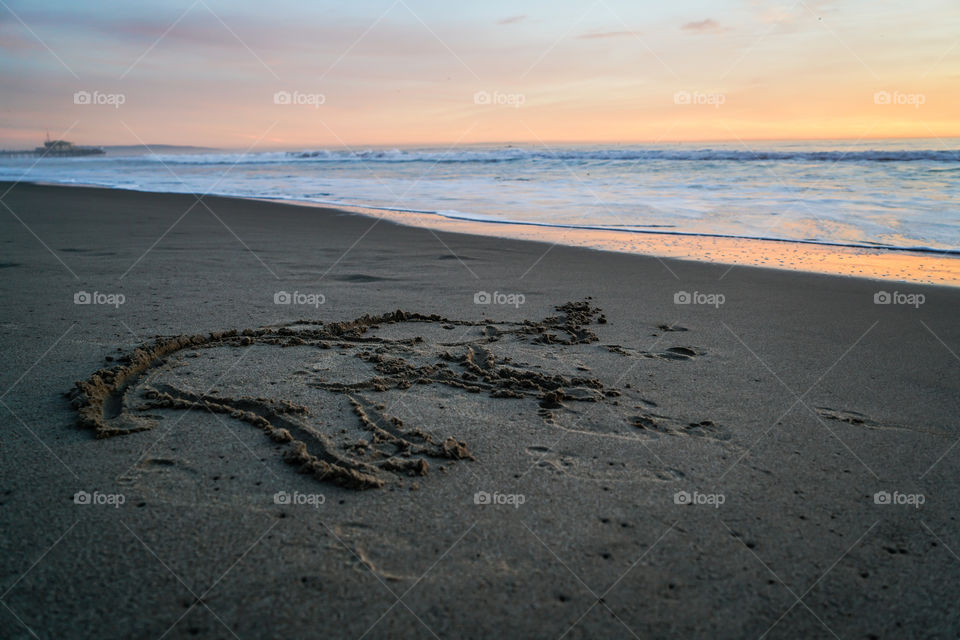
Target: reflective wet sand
x,y
897,266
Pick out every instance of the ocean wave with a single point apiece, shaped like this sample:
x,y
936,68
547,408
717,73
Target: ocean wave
x,y
325,199
502,155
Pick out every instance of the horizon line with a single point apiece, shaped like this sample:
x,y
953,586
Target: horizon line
x,y
539,143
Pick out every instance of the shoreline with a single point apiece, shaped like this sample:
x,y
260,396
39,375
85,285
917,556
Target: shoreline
x,y
885,264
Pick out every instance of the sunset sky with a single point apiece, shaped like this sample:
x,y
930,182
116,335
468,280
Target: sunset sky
x,y
207,72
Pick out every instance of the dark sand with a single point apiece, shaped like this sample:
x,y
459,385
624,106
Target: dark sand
x,y
384,414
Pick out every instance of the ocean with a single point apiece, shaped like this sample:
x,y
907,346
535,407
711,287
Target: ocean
x,y
889,194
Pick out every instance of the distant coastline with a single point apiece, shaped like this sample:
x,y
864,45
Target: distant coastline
x,y
68,149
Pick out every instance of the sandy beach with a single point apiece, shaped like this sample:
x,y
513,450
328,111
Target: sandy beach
x,y
299,422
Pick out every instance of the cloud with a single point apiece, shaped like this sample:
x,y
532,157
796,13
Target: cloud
x,y
708,25
607,34
512,20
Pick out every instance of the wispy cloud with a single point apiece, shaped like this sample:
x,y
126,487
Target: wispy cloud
x,y
512,19
607,34
708,25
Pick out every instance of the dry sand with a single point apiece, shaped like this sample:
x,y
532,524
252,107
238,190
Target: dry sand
x,y
383,456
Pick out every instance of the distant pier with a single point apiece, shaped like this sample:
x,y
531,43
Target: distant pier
x,y
55,149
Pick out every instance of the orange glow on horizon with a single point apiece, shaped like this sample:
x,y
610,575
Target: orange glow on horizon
x,y
425,76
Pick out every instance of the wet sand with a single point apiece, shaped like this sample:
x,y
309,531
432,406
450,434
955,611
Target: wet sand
x,y
918,267
226,417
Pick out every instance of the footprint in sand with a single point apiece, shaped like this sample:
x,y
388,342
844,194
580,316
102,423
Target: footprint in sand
x,y
657,425
860,420
629,469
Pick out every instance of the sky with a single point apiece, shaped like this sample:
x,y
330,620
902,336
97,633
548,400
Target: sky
x,y
240,74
